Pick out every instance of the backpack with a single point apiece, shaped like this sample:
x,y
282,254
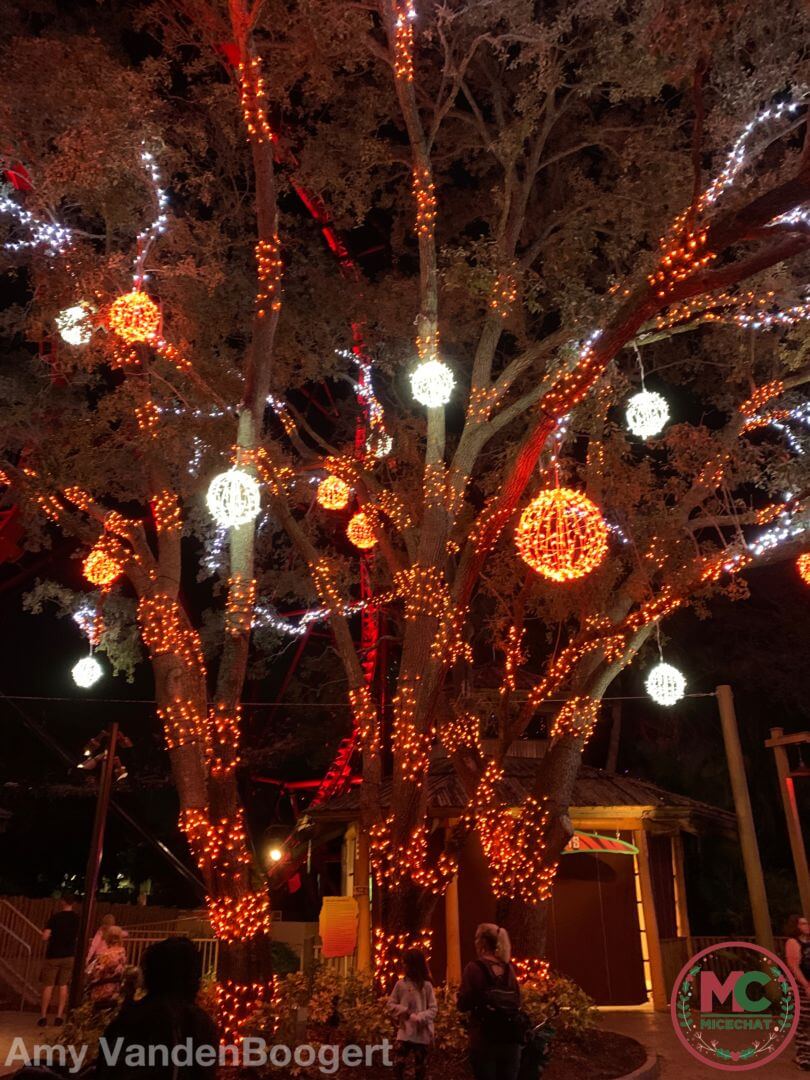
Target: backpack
x,y
499,1015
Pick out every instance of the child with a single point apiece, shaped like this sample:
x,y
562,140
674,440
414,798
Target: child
x,y
413,1004
105,976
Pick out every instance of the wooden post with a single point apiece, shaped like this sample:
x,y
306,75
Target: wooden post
x,y
679,880
615,736
745,819
794,824
452,930
361,874
650,927
105,784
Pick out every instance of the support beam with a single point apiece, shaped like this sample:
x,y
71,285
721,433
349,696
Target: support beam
x,y
794,825
361,895
648,921
679,882
452,927
745,819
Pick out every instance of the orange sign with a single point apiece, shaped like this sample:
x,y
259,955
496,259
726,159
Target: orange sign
x,y
338,926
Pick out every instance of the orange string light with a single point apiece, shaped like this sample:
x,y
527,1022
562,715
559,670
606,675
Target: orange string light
x,y
333,493
269,271
253,99
134,317
239,610
803,566
562,535
166,512
104,562
361,532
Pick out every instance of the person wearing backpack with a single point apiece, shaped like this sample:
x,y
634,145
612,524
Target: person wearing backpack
x,y
490,994
413,1004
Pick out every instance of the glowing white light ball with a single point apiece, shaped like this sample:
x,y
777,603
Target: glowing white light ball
x,y
74,326
276,854
87,672
647,412
234,498
665,684
432,383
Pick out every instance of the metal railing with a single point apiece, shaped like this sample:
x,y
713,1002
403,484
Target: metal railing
x,y
136,945
17,954
675,953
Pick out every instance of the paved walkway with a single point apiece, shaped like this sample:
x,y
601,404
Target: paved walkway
x,y
655,1031
651,1029
23,1024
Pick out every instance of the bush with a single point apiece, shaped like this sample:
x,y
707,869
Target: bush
x,y
326,1007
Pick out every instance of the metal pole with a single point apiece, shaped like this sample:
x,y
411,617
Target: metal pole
x,y
745,819
93,866
794,824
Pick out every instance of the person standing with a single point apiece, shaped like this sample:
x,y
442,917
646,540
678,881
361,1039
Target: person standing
x,y
413,1004
99,938
797,956
60,936
105,974
490,993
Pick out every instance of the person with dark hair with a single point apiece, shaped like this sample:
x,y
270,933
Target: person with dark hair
x,y
167,1016
413,1005
797,957
60,936
490,993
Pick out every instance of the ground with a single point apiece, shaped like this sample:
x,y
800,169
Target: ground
x,y
653,1030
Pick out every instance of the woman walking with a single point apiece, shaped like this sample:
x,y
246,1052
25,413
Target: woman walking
x,y
797,956
413,1004
491,995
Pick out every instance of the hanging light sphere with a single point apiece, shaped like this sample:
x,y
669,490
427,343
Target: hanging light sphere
x,y
562,535
432,383
333,493
74,326
379,442
647,413
360,532
665,684
87,672
101,567
234,498
134,317
803,566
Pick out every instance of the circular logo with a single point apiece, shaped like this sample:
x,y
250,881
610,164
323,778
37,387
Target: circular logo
x,y
735,1006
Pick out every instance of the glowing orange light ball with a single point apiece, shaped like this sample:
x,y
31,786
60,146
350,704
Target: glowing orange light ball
x,y
562,535
360,532
101,567
333,493
803,566
134,317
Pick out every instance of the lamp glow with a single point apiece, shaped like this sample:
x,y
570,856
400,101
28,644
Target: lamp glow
x,y
234,498
432,384
87,672
665,684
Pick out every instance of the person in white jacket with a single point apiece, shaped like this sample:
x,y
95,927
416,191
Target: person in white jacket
x,y
413,1005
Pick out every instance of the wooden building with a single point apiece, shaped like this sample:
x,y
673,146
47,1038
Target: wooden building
x,y
618,909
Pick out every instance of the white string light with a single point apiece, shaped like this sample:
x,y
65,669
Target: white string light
x,y
53,237
74,325
432,383
87,672
647,413
665,684
146,236
234,498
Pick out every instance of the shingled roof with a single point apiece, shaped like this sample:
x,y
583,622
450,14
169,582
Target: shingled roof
x,y
594,788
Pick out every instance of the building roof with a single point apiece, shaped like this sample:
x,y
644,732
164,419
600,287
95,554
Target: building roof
x,y
594,788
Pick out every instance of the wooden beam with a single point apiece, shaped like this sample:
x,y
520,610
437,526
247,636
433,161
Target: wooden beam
x,y
794,825
679,882
745,819
648,920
